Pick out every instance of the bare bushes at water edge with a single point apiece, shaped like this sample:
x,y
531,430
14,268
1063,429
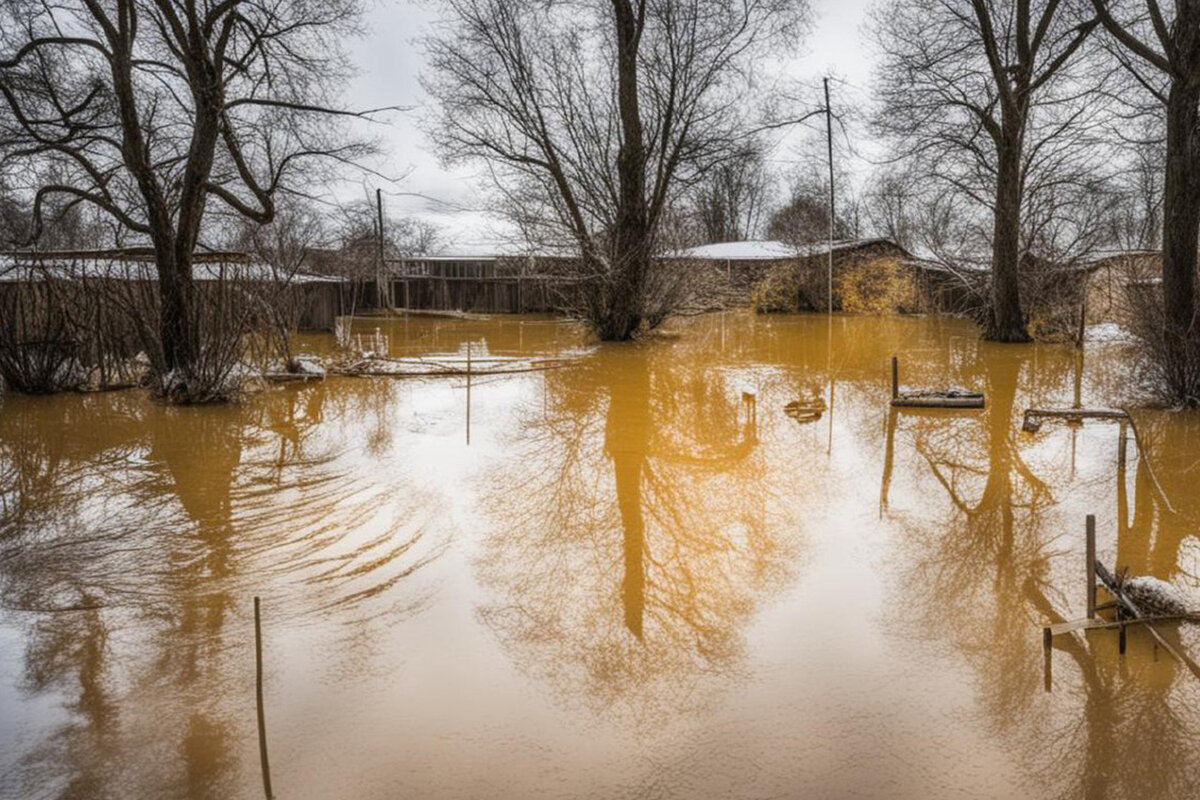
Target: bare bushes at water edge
x,y
1170,360
73,332
58,335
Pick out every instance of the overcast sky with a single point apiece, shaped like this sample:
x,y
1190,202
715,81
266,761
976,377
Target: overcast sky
x,y
389,64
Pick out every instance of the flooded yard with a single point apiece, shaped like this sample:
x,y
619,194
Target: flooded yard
x,y
632,575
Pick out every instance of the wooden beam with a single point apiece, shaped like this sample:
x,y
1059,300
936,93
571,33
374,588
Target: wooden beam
x,y
1033,416
1102,624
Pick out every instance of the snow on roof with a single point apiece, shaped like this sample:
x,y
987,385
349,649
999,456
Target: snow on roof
x,y
14,269
482,257
769,250
740,251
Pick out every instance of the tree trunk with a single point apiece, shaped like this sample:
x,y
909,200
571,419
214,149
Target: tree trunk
x,y
1181,211
179,339
630,251
1007,319
626,438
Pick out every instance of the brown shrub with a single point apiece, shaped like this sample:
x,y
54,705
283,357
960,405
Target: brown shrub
x,y
862,285
875,286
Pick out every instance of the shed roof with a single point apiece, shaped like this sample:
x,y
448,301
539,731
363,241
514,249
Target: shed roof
x,y
771,250
74,265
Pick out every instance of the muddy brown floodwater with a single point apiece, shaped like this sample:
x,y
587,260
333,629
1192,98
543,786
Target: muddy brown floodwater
x,y
640,579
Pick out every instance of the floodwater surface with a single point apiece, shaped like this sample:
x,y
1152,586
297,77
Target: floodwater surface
x,y
634,575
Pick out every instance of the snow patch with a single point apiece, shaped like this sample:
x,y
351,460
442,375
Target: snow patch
x,y
1154,596
741,251
1108,333
308,365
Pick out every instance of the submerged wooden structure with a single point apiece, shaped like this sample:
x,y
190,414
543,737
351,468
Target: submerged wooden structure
x,y
932,398
1034,416
1125,611
806,410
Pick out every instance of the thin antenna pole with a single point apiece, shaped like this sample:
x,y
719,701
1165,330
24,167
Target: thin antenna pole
x,y
829,144
829,277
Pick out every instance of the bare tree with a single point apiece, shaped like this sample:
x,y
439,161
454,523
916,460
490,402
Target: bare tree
x,y
148,109
1162,52
890,206
804,218
982,93
593,115
731,203
283,247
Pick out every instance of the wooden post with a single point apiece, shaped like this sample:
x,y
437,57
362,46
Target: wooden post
x,y
1091,567
468,392
889,459
385,282
262,720
1082,322
1122,448
1047,658
895,378
1121,641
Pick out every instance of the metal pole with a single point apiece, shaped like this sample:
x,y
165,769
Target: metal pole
x,y
829,144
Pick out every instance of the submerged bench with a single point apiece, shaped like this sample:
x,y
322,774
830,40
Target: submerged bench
x,y
952,397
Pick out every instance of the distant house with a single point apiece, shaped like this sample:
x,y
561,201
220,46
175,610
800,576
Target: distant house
x,y
1115,277
868,274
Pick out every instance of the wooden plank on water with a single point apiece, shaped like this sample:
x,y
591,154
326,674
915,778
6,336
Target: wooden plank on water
x,y
935,400
1033,416
1099,623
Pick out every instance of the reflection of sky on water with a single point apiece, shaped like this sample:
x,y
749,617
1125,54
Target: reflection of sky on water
x,y
626,584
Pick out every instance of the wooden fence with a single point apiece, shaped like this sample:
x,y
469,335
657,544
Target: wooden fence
x,y
484,285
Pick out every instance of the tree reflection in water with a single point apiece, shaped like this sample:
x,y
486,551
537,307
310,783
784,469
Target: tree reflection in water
x,y
990,574
645,536
634,526
132,538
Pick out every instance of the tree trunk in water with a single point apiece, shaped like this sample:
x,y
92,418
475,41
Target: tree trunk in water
x,y
630,250
1181,213
1007,320
179,337
626,441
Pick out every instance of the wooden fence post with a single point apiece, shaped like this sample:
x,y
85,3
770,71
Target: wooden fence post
x,y
1091,566
258,685
1123,446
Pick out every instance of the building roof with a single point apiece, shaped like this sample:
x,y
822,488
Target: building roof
x,y
740,251
770,250
120,265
